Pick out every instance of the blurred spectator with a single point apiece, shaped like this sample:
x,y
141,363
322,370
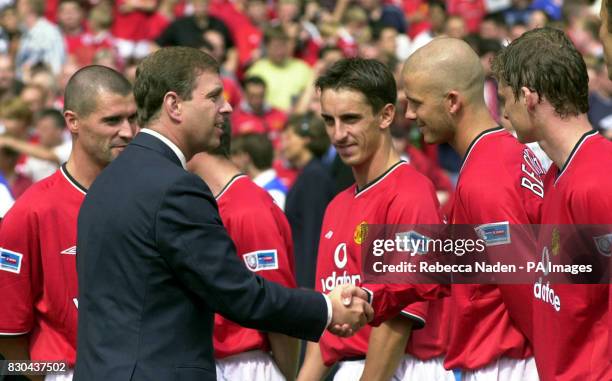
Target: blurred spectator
x,y
519,12
386,41
600,99
15,118
9,30
135,24
381,15
51,151
70,16
254,115
437,17
17,182
6,198
35,96
246,26
471,11
190,31
538,19
285,77
486,49
253,154
516,31
412,155
10,87
41,41
455,27
493,27
304,141
214,45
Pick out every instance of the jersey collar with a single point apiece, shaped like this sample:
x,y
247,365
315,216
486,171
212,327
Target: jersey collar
x,y
572,154
478,138
371,184
72,180
229,184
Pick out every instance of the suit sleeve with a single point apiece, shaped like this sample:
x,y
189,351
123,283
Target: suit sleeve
x,y
194,243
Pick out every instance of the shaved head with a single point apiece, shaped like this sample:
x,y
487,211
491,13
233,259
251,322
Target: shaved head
x,y
86,84
448,64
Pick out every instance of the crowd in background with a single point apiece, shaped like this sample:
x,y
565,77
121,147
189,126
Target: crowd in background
x,y
271,53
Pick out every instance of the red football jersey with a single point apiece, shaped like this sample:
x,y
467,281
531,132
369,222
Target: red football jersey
x,y
571,336
400,196
262,237
500,181
38,279
271,122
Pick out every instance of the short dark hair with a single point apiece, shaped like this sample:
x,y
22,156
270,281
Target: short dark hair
x,y
368,76
55,115
258,147
173,68
311,126
82,90
545,61
253,80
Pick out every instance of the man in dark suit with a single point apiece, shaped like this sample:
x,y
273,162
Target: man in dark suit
x,y
154,260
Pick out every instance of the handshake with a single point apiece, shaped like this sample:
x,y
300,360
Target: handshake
x,y
350,310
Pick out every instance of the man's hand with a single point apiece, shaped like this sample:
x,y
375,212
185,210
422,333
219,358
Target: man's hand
x,y
351,310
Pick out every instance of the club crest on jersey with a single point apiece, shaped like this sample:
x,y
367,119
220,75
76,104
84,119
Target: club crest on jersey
x,y
10,261
261,260
555,242
361,231
497,233
604,244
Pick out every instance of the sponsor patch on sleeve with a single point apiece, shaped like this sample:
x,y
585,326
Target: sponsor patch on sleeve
x,y
261,260
413,242
497,233
10,261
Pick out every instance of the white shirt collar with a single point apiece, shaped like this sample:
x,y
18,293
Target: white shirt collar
x,y
264,177
169,143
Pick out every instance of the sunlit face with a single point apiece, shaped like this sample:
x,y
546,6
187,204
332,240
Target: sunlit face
x,y
515,111
426,108
104,133
605,36
203,115
353,128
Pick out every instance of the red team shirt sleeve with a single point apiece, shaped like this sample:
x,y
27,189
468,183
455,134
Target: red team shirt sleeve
x,y
390,299
19,268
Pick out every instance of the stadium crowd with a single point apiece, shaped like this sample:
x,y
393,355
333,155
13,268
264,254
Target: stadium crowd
x,y
274,58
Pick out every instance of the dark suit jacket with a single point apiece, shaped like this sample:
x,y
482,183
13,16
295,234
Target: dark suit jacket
x,y
154,262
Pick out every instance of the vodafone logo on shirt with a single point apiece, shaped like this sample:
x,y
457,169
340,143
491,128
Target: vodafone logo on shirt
x,y
336,278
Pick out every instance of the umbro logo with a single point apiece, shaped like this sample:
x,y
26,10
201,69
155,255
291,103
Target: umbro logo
x,y
329,234
70,251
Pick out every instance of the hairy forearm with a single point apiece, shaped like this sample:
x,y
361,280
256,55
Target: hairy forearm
x,y
286,351
386,348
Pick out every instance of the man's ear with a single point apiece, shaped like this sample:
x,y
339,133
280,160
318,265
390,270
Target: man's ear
x,y
173,106
387,114
530,98
72,121
453,102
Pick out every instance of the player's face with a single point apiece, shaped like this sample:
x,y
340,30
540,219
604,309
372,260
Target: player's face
x,y
606,36
515,111
203,115
105,132
426,108
353,128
